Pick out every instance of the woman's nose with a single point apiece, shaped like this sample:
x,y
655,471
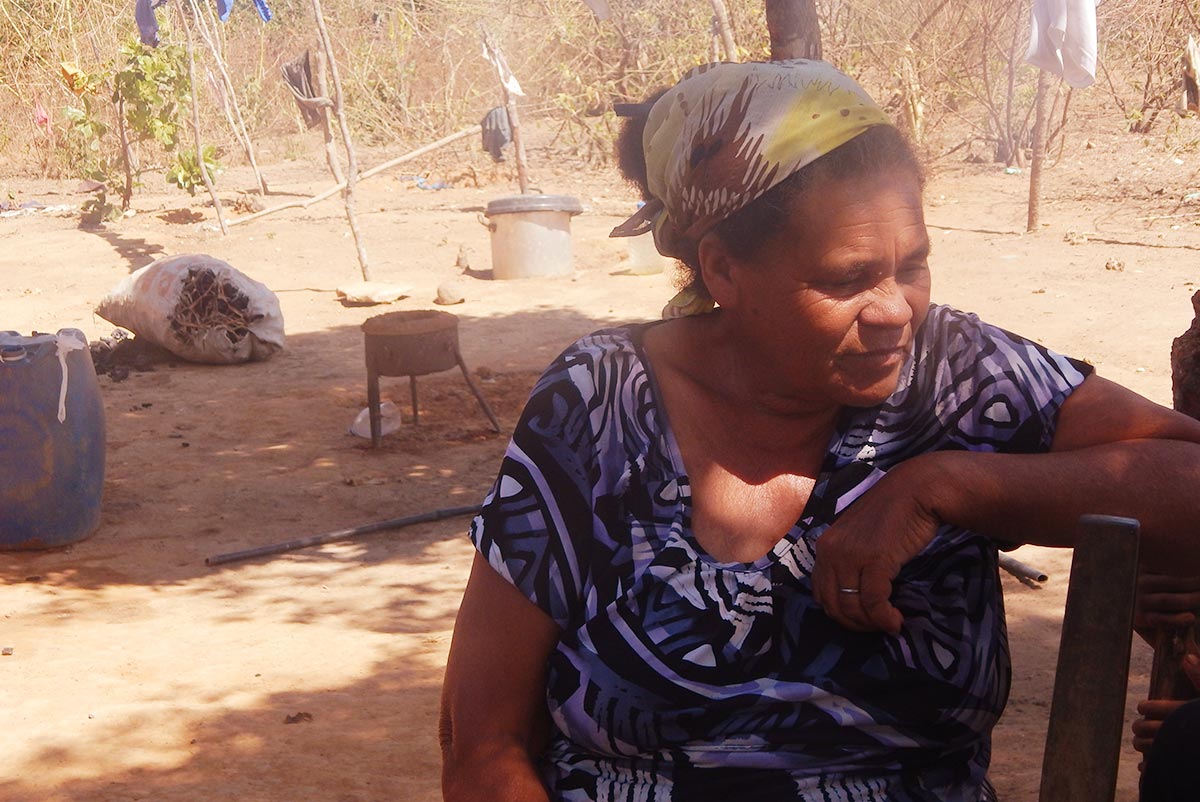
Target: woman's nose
x,y
888,307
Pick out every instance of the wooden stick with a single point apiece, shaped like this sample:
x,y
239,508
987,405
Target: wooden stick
x,y
351,159
510,108
1167,677
514,124
1167,216
229,99
341,534
1039,153
331,156
305,203
721,16
126,154
208,184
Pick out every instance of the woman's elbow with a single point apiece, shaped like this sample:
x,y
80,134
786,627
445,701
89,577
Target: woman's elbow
x,y
488,772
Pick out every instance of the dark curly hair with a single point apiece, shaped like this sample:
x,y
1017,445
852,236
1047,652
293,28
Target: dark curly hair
x,y
879,148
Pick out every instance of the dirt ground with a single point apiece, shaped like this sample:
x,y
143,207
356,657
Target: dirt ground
x,y
138,673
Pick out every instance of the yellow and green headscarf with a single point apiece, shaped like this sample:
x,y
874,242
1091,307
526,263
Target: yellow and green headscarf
x,y
727,133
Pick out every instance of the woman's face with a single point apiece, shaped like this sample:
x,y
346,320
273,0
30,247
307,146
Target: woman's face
x,y
831,303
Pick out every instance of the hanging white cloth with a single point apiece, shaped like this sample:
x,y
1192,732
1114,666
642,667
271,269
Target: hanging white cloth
x,y
1063,40
501,64
600,9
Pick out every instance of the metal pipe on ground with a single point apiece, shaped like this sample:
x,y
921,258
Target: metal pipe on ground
x,y
341,534
1021,570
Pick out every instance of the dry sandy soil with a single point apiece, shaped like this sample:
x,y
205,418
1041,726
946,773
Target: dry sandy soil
x,y
138,673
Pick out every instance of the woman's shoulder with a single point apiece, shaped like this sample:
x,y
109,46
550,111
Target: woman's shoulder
x,y
599,359
952,336
596,379
982,386
942,320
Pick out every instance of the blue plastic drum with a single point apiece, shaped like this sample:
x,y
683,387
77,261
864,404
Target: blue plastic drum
x,y
51,440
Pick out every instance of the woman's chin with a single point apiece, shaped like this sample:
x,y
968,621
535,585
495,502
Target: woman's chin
x,y
868,393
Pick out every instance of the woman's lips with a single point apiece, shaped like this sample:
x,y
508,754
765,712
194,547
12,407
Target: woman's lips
x,y
882,353
879,359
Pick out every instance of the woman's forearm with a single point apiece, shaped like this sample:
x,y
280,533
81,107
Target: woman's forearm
x,y
1038,498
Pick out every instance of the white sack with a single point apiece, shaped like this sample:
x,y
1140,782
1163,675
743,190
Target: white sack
x,y
199,308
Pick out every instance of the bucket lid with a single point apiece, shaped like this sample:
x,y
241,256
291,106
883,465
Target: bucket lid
x,y
11,339
515,204
16,348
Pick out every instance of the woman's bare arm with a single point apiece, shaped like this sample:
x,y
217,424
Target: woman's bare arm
x,y
1114,453
494,717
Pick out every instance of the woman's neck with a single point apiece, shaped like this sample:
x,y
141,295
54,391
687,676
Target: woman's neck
x,y
732,367
746,419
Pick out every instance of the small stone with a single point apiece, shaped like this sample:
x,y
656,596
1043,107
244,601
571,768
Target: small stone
x,y
448,294
6,651
1117,265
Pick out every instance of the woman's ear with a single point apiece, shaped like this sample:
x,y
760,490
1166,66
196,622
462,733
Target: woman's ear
x,y
717,269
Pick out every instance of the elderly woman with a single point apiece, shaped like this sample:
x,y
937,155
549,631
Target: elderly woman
x,y
751,554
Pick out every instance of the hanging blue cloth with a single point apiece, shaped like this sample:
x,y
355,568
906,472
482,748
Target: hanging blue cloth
x,y
143,12
225,6
147,24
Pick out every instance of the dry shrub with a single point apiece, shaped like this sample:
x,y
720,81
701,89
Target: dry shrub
x,y
1140,56
413,69
963,63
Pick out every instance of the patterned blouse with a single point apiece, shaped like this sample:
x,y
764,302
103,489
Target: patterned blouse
x,y
680,677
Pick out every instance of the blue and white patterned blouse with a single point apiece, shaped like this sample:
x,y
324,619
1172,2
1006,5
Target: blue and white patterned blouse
x,y
679,677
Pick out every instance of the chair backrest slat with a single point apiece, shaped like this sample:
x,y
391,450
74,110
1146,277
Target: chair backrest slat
x,y
1087,713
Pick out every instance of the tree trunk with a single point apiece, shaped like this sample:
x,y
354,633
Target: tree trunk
x,y
1039,153
795,29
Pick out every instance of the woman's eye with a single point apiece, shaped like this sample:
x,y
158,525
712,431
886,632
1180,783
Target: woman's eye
x,y
844,282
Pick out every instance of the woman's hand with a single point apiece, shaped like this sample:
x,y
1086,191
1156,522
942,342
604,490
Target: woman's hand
x,y
866,547
1154,711
1165,602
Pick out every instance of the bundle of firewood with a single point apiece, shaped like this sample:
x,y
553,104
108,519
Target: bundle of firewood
x,y
206,302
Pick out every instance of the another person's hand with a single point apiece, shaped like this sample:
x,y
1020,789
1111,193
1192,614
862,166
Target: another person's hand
x,y
1154,711
866,547
1165,602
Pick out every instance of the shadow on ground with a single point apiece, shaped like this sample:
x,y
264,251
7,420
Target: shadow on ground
x,y
205,460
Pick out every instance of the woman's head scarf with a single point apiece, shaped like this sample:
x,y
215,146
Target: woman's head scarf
x,y
727,133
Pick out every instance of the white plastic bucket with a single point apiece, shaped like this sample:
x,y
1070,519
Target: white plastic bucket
x,y
644,258
531,235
